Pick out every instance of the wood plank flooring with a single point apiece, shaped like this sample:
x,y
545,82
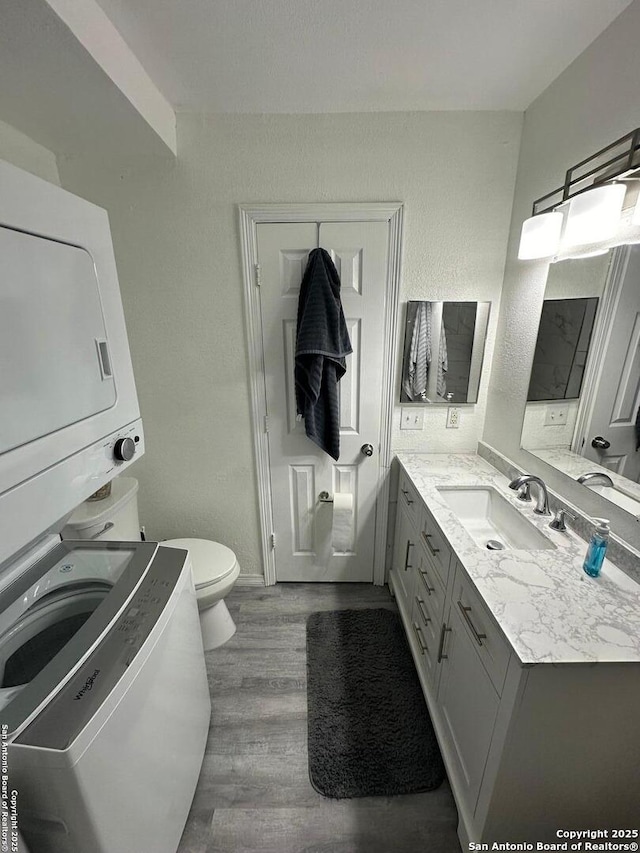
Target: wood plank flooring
x,y
254,794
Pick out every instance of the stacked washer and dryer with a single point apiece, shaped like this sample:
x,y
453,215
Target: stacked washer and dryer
x,y
104,702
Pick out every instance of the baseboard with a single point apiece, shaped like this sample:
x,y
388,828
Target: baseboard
x,y
249,580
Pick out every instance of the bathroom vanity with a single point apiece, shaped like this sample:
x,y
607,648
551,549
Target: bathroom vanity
x,y
530,669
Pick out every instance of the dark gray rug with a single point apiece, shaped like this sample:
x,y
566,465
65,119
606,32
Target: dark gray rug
x,y
369,729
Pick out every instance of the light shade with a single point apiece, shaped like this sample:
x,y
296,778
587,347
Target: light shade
x,y
594,215
540,236
635,217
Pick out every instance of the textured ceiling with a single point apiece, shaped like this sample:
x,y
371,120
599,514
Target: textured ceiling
x,y
296,56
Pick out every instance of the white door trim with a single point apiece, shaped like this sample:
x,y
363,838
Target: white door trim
x,y
600,344
251,216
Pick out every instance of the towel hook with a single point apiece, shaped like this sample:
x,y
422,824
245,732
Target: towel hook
x,y
317,235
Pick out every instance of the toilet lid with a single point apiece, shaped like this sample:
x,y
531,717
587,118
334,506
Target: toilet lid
x,y
211,561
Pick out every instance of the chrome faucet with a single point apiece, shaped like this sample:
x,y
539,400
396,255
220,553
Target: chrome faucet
x,y
559,519
596,477
542,504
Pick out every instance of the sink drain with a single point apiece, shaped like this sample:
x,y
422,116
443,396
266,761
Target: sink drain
x,y
495,545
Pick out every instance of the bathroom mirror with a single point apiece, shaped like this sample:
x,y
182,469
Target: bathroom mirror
x,y
599,429
443,352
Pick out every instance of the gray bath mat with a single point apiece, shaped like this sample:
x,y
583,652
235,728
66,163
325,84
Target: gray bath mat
x,y
369,729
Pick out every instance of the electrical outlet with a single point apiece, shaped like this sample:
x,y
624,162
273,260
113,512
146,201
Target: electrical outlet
x,y
556,415
453,417
412,418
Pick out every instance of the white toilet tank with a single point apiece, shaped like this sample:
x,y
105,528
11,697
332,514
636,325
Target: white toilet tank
x,y
112,518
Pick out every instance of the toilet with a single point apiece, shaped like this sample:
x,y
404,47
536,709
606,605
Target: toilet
x,y
215,567
215,570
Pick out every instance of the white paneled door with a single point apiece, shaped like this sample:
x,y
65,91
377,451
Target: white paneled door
x,y
299,470
615,404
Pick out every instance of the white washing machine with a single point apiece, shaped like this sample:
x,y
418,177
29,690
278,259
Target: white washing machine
x,y
104,697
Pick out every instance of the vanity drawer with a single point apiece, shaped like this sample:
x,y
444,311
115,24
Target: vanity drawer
x,y
425,633
491,646
408,497
429,586
435,546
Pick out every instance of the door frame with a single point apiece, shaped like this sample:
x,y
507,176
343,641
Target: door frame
x,y
252,215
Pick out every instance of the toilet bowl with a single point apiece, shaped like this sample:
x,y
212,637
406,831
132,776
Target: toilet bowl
x,y
215,568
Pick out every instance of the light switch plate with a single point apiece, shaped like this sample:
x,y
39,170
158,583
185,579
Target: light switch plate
x,y
412,418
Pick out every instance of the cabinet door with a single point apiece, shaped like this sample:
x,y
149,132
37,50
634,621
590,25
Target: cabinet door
x,y
468,704
404,556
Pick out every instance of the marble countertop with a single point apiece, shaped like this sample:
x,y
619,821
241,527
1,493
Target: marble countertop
x,y
549,610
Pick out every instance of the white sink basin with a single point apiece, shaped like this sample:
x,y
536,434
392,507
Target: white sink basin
x,y
616,497
488,517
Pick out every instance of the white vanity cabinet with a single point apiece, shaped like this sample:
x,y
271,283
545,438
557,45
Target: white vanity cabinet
x,y
529,749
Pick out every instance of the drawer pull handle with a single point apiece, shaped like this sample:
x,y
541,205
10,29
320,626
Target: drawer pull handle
x,y
425,615
107,526
465,612
443,633
426,537
421,642
406,496
425,578
406,556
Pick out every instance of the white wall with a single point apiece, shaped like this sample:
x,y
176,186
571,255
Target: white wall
x,y
177,247
595,101
22,151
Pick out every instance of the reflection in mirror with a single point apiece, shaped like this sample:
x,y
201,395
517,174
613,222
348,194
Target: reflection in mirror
x,y
562,347
599,431
443,351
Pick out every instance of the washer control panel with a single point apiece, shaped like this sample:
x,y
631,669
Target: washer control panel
x,y
116,452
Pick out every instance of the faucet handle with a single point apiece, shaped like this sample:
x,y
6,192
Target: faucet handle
x,y
559,517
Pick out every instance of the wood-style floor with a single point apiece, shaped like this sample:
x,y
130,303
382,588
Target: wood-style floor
x,y
254,794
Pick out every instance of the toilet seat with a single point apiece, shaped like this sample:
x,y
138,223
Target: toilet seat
x,y
211,561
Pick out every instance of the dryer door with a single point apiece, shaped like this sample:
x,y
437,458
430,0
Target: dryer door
x,y
52,334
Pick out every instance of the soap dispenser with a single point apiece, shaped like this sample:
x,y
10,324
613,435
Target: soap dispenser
x,y
597,548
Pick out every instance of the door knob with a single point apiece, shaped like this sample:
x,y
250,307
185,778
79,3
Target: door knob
x,y
367,449
600,443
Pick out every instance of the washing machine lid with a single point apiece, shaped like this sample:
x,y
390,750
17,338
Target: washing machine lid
x,y
210,561
68,565
70,710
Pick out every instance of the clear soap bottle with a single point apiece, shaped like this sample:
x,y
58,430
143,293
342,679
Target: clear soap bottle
x,y
597,548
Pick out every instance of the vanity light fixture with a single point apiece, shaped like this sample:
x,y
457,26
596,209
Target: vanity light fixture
x,y
593,215
635,219
586,210
540,236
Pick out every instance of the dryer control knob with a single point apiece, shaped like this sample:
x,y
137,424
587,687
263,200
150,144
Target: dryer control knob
x,y
124,449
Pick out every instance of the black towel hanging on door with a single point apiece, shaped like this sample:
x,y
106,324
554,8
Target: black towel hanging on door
x,y
322,344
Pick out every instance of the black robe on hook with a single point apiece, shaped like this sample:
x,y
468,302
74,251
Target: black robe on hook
x,y
322,344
